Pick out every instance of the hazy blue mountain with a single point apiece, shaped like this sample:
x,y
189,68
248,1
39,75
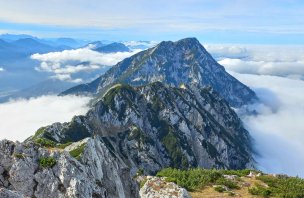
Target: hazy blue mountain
x,y
14,37
112,48
19,67
96,44
104,47
47,87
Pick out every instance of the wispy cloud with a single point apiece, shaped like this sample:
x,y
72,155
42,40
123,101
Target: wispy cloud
x,y
150,16
1,69
68,62
21,118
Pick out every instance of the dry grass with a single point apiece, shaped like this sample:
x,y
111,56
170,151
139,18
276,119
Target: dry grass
x,y
246,182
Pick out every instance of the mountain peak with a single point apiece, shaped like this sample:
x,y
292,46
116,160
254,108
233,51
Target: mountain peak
x,y
174,63
186,43
189,40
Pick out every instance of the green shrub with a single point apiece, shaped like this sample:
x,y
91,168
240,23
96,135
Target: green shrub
x,y
260,191
219,189
140,171
192,179
227,182
18,155
45,142
283,186
77,152
62,146
240,173
47,162
39,132
142,183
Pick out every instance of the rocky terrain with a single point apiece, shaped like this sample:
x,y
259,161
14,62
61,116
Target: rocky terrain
x,y
127,130
155,187
174,63
156,126
32,170
175,115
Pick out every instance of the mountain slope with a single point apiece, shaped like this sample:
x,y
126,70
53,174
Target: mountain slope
x,y
156,126
183,62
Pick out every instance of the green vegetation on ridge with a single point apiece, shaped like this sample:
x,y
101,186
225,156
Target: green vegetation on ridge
x,y
196,179
269,185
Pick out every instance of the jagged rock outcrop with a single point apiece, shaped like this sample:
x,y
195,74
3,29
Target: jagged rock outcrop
x,y
156,187
157,126
29,170
183,62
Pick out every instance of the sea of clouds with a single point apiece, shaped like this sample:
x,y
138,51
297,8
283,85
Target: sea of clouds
x,y
22,117
275,73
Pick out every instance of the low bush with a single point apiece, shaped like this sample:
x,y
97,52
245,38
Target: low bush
x,y
195,179
77,152
47,162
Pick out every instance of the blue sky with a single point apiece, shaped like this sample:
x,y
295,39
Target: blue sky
x,y
212,21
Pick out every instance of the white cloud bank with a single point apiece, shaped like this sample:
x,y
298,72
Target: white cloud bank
x,y
276,74
286,61
21,118
68,62
278,129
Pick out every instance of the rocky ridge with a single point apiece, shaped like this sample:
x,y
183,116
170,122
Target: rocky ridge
x,y
157,126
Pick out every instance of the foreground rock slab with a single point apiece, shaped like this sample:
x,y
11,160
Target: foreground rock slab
x,y
156,187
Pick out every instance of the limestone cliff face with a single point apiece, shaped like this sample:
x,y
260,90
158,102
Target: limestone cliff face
x,y
157,126
95,174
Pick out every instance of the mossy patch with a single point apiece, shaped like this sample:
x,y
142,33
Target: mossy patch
x,y
45,143
39,132
47,162
18,155
77,152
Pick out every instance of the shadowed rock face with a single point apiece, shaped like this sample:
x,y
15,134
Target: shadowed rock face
x,y
157,126
183,62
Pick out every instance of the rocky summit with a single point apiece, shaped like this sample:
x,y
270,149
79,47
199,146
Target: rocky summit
x,y
183,62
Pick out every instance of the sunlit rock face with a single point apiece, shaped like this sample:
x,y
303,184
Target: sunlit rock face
x,y
174,63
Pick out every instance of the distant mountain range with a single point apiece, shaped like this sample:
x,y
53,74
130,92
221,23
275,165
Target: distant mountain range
x,y
20,73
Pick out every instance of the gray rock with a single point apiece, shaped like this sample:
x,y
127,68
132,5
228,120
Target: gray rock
x,y
5,193
158,187
156,126
97,173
